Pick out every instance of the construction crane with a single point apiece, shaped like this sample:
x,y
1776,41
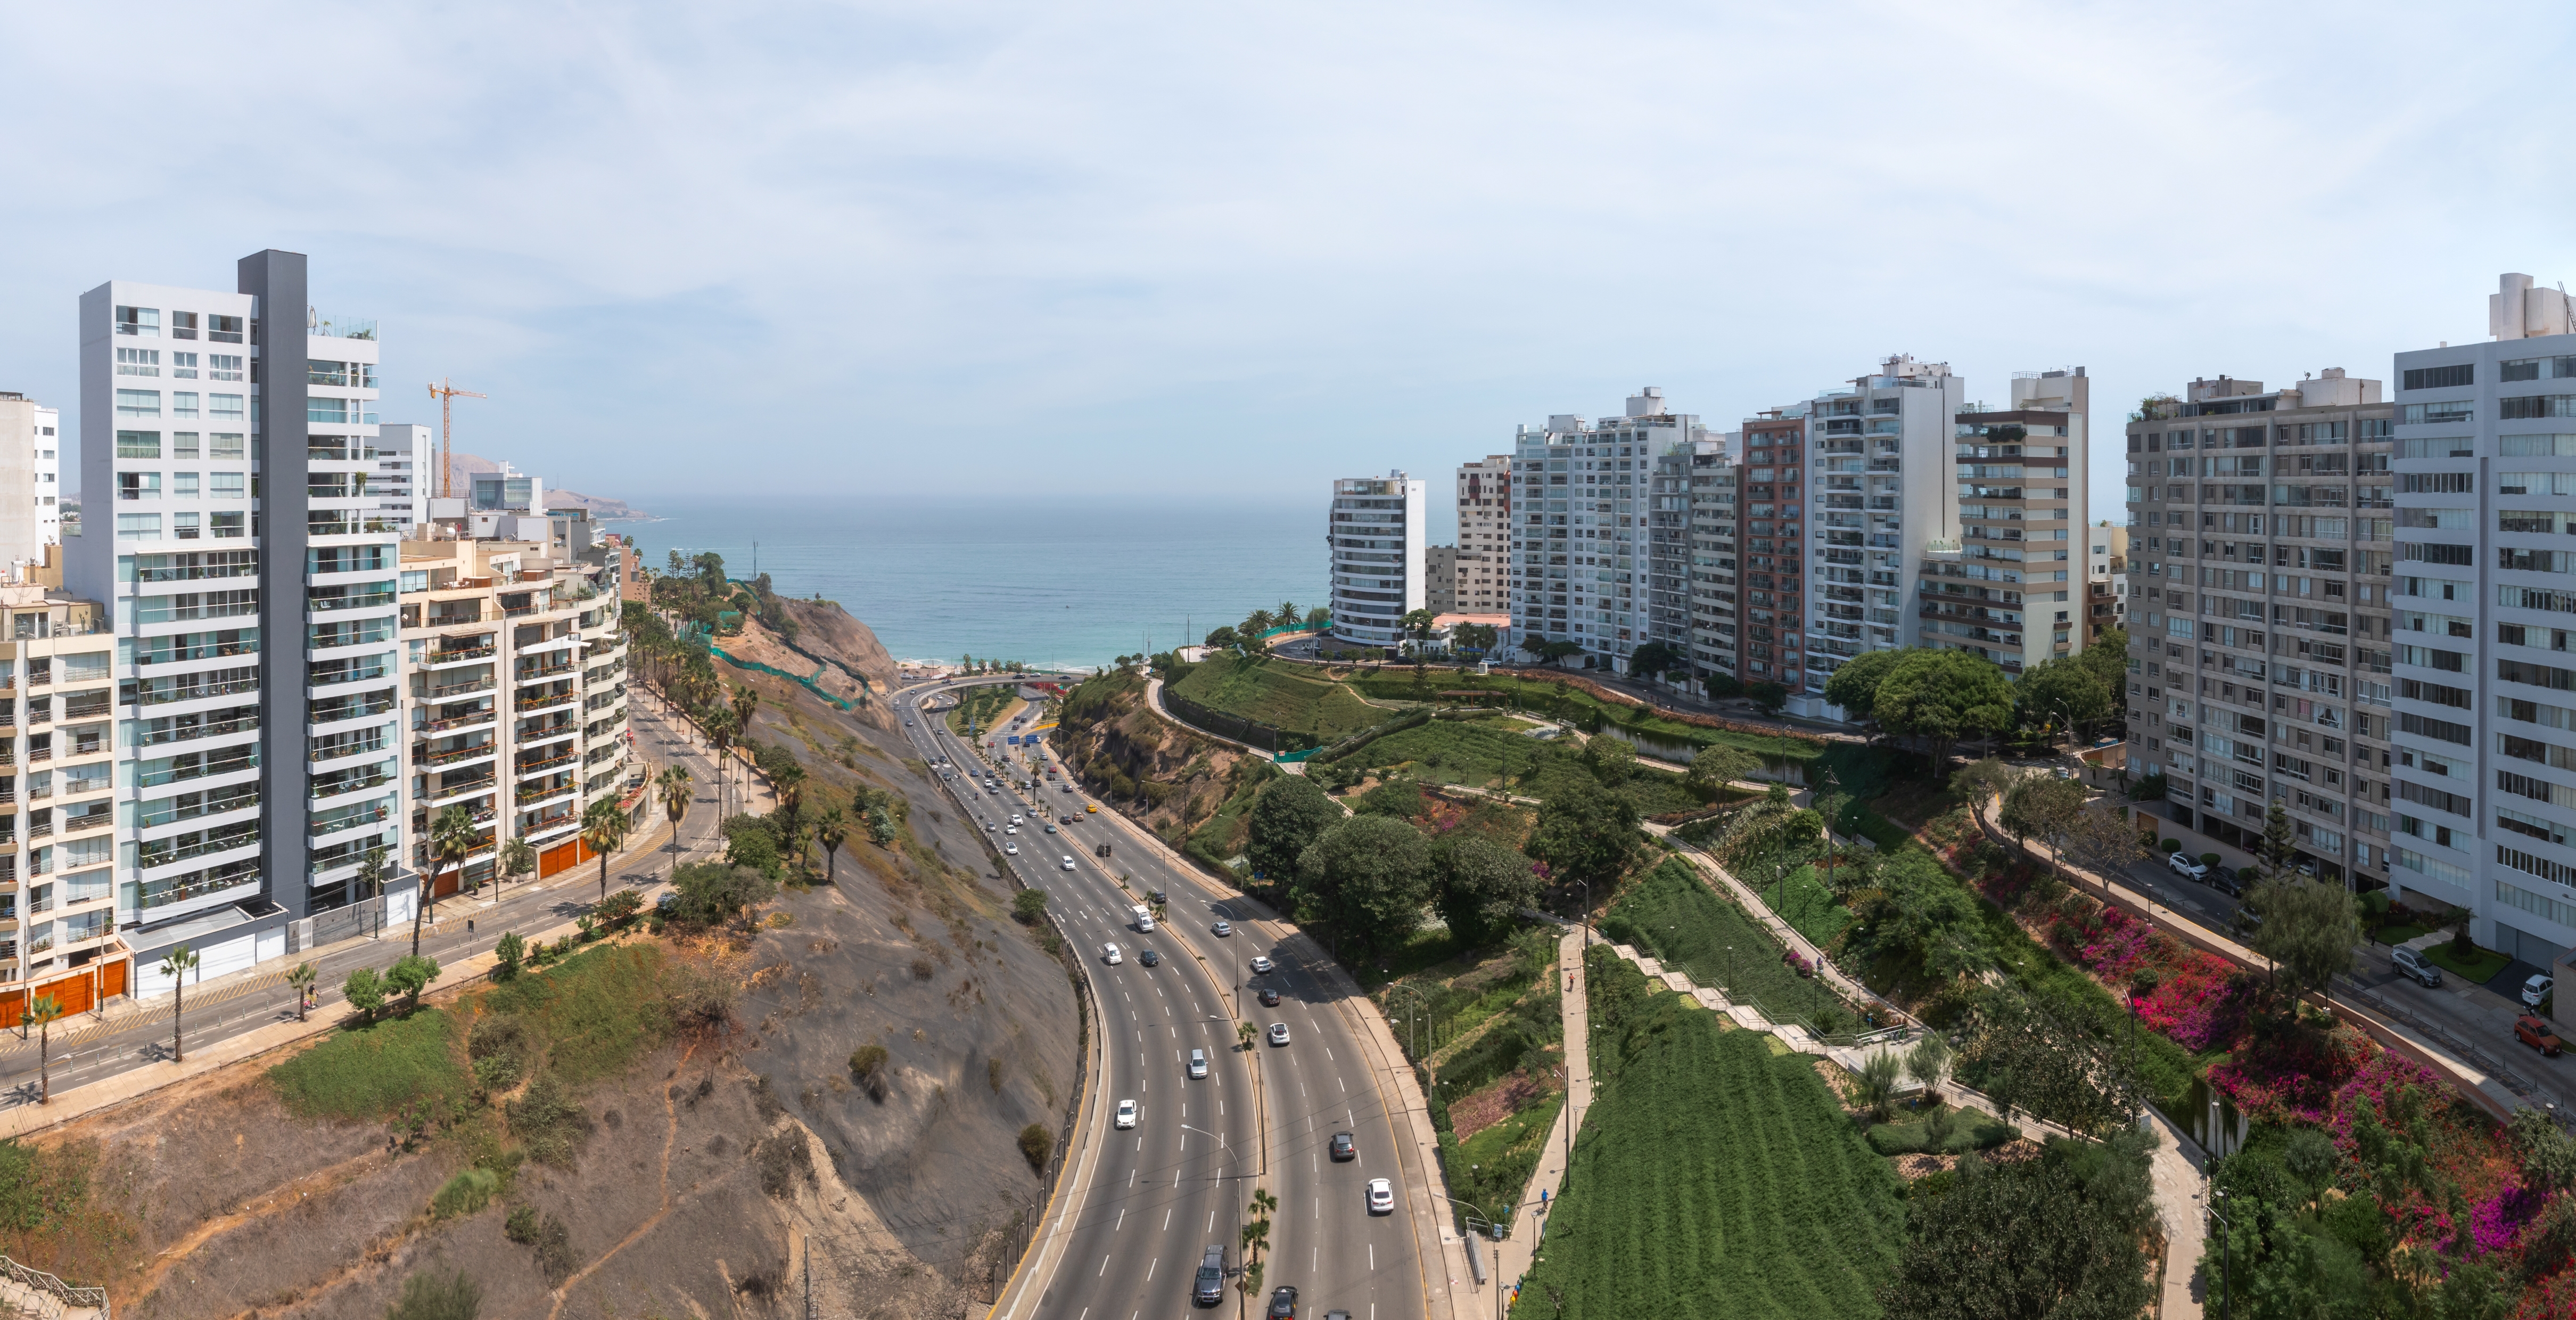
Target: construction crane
x,y
443,391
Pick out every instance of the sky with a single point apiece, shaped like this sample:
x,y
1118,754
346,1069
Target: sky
x,y
878,253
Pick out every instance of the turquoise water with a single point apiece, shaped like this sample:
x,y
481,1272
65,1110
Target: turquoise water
x,y
1070,585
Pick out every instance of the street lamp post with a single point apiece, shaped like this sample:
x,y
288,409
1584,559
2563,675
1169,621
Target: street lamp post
x,y
2226,1289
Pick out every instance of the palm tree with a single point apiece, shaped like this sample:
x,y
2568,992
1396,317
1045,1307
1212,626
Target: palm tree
x,y
176,965
830,829
452,838
42,1013
302,978
789,781
603,828
1287,615
518,857
677,792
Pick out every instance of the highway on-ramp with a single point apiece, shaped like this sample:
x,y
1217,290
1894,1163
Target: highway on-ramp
x,y
1139,1207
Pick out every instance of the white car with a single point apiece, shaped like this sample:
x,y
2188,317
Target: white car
x,y
2186,865
1011,848
1068,863
1381,1196
1010,829
1109,954
1278,1033
1262,963
2536,989
1223,929
1126,1114
1016,819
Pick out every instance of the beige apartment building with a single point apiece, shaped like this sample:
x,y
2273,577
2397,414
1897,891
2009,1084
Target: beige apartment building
x,y
2006,589
1715,632
58,801
1482,575
516,676
2259,614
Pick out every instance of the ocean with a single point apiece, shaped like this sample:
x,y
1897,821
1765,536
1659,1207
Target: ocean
x,y
1068,584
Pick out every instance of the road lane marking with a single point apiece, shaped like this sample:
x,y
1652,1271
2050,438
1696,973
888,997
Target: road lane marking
x,y
1104,1269
1149,1266
1167,1227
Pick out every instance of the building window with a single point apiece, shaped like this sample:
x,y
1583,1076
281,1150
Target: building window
x,y
183,366
183,526
138,485
138,403
224,407
225,330
225,525
142,321
224,485
2435,378
183,485
223,366
138,444
138,362
183,444
183,404
224,444
138,527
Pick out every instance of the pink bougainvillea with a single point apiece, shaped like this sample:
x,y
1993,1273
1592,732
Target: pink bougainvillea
x,y
2494,1223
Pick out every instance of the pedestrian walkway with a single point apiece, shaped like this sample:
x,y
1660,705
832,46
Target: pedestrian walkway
x,y
1530,1222
1850,988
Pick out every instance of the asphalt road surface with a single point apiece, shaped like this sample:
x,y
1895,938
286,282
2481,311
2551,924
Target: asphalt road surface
x,y
1149,1202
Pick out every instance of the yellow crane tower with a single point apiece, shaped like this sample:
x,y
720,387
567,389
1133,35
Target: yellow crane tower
x,y
443,391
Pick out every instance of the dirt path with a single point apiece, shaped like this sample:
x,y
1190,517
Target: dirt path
x,y
320,1180
670,1138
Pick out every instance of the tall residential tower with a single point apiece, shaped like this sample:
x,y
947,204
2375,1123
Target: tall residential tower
x,y
1377,557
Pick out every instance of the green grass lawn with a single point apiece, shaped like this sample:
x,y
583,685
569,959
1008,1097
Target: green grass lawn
x,y
2396,933
2477,971
1477,753
1279,695
1671,915
1714,1178
374,1071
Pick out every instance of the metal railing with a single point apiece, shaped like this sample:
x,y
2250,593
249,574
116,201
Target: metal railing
x,y
54,1296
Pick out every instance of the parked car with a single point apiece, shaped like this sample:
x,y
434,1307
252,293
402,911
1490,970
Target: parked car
x,y
2413,964
1381,1196
2227,880
2186,865
1343,1147
1126,1114
1278,1033
2537,1034
2536,989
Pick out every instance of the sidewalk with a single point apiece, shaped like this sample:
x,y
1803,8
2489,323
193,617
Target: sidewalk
x,y
1530,1231
1787,934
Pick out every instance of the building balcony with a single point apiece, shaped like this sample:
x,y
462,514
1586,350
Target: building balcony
x,y
458,723
458,655
422,758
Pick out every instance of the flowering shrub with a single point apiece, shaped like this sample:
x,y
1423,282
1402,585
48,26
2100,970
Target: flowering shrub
x,y
1797,962
2200,999
2496,1221
2290,1074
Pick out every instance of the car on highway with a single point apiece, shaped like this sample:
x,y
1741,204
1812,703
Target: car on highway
x,y
1261,962
1068,863
1126,1114
1343,1147
2186,865
1210,1289
1381,1196
1278,1033
1109,954
1198,1064
1149,957
2538,1034
1016,820
1011,848
1337,1315
1050,827
1010,829
1283,1304
2537,989
1089,808
1223,929
1269,998
2413,964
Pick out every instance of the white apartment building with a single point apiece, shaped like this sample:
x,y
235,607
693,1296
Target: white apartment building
x,y
515,672
1483,580
1716,631
396,484
2482,597
2007,592
58,899
1581,540
30,483
2106,580
227,437
1884,494
1669,546
1376,535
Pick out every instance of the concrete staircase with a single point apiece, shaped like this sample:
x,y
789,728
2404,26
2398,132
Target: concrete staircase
x,y
27,1294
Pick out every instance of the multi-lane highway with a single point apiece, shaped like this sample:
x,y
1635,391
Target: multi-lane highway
x,y
1139,1207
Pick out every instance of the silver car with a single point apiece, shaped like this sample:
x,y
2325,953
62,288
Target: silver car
x,y
1278,1033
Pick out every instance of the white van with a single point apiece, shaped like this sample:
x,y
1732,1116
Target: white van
x,y
1144,917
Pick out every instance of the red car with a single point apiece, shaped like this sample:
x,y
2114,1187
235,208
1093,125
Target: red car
x,y
2536,1033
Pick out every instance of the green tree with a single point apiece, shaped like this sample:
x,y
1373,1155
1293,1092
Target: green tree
x,y
1224,639
1418,624
409,976
518,857
1769,696
1584,833
2106,844
831,829
1723,687
2308,928
712,893
603,831
2044,807
1985,779
1483,883
437,1297
44,1012
301,978
1718,765
1656,659
365,991
1612,760
452,838
2279,850
1290,813
1029,906
1941,698
2057,1237
2062,690
176,964
512,951
677,793
1370,876
1854,686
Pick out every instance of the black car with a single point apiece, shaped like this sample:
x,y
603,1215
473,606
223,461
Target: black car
x,y
1270,999
1343,1148
1149,958
1283,1304
2225,880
